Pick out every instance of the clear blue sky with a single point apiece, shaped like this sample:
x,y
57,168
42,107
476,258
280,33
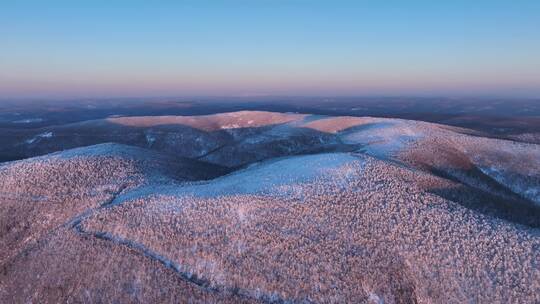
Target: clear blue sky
x,y
296,47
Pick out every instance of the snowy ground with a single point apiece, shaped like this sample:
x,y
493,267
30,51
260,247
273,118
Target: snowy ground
x,y
273,208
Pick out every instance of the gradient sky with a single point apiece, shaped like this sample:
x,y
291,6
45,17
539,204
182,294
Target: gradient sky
x,y
262,47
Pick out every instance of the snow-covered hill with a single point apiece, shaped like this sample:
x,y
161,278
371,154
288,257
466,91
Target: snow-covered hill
x,y
270,207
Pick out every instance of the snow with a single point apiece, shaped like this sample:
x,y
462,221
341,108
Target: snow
x,y
46,135
106,149
374,298
39,136
231,126
513,182
281,177
28,120
281,174
150,139
385,138
345,217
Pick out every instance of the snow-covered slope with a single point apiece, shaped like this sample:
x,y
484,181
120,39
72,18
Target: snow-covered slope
x,y
269,207
38,194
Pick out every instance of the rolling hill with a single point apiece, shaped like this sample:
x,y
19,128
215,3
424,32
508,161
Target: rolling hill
x,y
268,207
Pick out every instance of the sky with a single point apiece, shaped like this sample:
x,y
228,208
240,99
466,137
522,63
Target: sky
x,y
112,48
